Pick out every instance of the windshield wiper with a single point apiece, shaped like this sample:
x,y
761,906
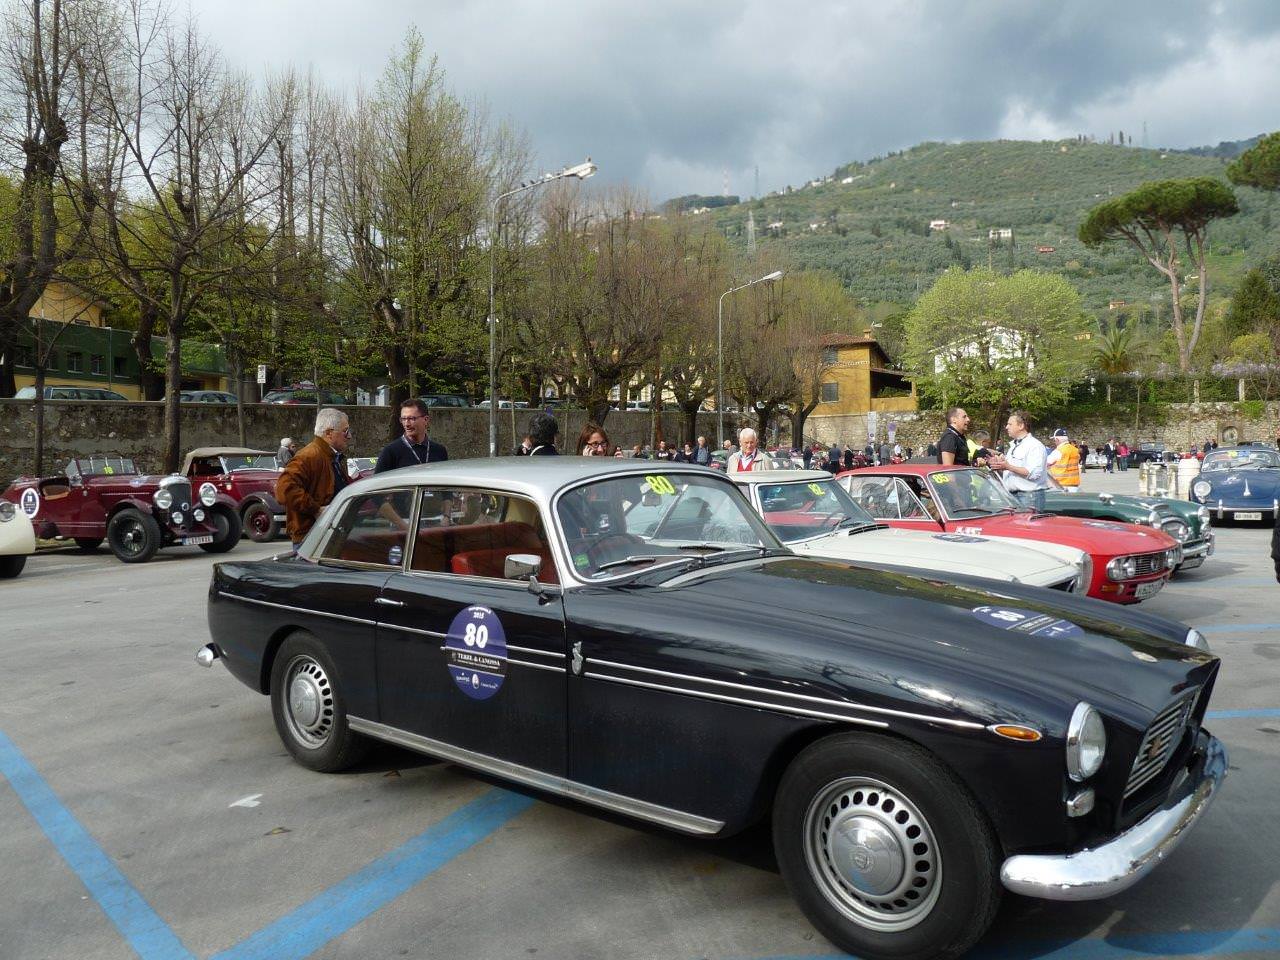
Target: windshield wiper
x,y
645,558
981,512
710,547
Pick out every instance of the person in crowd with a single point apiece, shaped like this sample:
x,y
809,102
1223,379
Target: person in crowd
x,y
413,447
1122,455
637,453
664,452
807,457
847,459
618,453
593,441
979,447
952,446
729,447
543,431
1063,462
911,453
315,474
1109,451
886,452
287,449
702,455
896,455
931,451
685,453
1022,468
526,444
832,464
749,456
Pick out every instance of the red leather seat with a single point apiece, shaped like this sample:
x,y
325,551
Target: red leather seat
x,y
479,549
492,563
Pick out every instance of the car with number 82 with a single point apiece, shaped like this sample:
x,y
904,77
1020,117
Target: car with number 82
x,y
526,618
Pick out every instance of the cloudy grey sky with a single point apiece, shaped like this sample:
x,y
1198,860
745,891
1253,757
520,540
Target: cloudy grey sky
x,y
670,95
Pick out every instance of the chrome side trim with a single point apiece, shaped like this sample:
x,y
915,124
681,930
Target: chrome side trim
x,y
535,666
535,652
433,634
285,606
776,707
1120,863
967,724
642,809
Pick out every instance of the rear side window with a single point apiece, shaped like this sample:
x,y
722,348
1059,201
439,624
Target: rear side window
x,y
472,532
373,529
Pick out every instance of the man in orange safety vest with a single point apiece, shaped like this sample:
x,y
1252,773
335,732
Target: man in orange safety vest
x,y
1064,462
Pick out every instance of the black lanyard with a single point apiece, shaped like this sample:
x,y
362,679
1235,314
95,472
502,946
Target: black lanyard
x,y
415,452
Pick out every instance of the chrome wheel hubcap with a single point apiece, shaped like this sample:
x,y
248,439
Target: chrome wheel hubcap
x,y
308,702
872,854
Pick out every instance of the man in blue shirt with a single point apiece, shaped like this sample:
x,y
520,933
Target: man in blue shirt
x,y
413,447
1024,467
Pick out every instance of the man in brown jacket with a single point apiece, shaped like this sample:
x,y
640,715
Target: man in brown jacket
x,y
315,475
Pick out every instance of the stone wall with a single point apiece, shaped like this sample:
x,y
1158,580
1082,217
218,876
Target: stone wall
x,y
137,430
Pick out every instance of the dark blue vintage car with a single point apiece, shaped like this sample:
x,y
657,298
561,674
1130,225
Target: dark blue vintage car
x,y
1240,483
634,637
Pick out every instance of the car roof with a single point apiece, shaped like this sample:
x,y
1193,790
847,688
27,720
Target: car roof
x,y
917,469
780,476
221,452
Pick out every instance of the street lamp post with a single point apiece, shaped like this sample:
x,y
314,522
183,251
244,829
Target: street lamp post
x,y
767,278
579,170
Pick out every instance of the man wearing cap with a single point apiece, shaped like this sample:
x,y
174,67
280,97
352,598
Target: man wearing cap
x,y
1064,462
1022,468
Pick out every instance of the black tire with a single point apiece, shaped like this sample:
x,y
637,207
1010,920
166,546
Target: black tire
x,y
312,721
228,534
260,523
88,544
926,868
11,566
133,536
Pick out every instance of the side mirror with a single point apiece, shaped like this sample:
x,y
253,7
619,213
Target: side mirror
x,y
522,566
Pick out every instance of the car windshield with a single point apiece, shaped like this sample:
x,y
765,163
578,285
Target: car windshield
x,y
238,461
100,466
619,525
970,493
811,508
1249,459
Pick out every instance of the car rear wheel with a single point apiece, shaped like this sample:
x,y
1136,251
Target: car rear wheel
x,y
11,566
260,523
310,709
885,850
88,544
133,536
227,522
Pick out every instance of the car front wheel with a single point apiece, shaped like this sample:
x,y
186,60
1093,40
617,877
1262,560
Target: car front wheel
x,y
260,523
309,707
133,536
885,850
227,536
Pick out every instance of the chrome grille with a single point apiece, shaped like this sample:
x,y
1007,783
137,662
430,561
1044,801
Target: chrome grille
x,y
181,495
1149,563
1176,528
1158,744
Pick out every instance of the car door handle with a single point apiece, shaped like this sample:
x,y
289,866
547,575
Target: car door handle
x,y
388,602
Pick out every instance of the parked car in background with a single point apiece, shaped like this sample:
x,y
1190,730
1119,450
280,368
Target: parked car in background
x,y
1149,451
445,400
1240,483
1130,563
814,515
248,478
70,393
105,497
917,746
17,539
358,468
306,395
1095,461
206,396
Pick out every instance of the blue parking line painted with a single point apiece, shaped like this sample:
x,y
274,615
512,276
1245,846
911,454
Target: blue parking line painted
x,y
1181,943
1241,714
148,935
305,930
1239,628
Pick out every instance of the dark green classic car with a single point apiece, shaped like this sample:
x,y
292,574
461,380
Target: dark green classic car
x,y
1186,522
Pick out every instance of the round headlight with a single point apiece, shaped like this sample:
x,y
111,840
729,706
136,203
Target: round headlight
x,y
208,494
1086,742
163,498
1202,488
176,516
1122,568
198,514
1196,639
1178,530
7,511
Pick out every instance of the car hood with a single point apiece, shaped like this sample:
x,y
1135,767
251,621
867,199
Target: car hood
x,y
955,642
1105,537
1262,484
941,553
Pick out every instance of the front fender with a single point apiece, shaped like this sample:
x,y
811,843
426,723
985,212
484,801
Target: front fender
x,y
143,506
266,499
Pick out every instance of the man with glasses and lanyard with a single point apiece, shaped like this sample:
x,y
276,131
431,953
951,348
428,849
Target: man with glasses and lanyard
x,y
413,446
1024,468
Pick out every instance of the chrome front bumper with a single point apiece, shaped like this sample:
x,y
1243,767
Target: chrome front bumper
x,y
1194,552
1120,863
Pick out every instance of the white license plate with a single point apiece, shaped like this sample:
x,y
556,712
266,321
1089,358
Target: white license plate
x,y
193,541
1148,589
1253,515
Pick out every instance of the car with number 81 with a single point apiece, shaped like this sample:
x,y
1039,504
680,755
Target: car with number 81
x,y
526,618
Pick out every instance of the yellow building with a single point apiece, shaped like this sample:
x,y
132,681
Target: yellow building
x,y
88,352
860,392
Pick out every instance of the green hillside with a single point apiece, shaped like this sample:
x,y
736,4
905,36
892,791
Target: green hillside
x,y
874,231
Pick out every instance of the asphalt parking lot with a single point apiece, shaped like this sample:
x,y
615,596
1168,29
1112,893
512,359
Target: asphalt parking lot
x,y
149,810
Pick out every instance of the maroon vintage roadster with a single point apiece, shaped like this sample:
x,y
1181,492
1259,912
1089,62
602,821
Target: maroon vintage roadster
x,y
248,477
104,497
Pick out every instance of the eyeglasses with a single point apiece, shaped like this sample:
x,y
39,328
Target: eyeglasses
x,y
410,419
596,443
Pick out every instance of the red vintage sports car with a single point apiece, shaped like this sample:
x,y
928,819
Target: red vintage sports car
x,y
248,477
104,497
1130,563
